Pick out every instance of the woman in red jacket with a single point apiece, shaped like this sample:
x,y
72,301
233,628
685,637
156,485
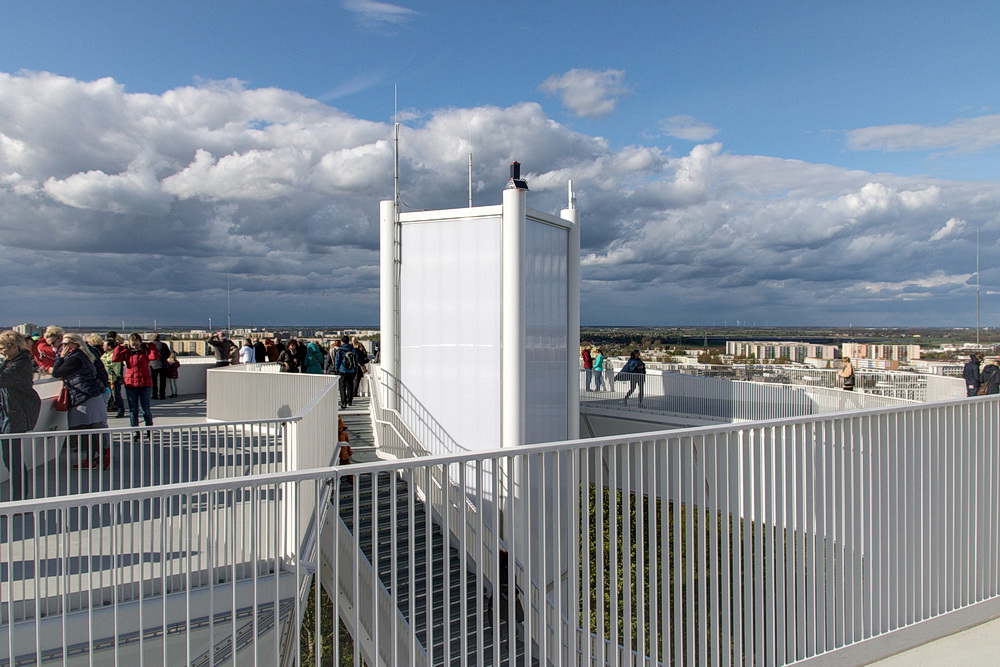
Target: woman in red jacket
x,y
135,358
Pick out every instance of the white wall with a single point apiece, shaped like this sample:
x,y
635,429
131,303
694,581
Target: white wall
x,y
546,303
450,323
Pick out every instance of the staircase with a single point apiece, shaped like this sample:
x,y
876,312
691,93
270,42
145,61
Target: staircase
x,y
435,590
431,591
359,426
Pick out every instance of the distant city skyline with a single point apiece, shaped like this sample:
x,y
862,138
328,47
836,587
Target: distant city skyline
x,y
789,163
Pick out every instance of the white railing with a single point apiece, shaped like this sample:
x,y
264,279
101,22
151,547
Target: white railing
x,y
718,399
118,559
52,463
770,543
894,384
417,433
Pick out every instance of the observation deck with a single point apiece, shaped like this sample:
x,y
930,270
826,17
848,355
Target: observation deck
x,y
794,525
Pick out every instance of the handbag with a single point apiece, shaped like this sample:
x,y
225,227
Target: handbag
x,y
62,403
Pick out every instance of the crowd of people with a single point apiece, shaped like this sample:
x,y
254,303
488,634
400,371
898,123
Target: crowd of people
x,y
101,376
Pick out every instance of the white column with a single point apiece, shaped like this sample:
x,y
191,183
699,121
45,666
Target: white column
x,y
573,320
513,332
390,256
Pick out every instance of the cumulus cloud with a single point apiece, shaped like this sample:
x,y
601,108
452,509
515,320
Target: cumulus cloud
x,y
967,135
587,92
953,227
148,208
687,128
373,13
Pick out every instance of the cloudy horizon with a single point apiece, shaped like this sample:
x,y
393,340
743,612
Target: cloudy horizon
x,y
140,206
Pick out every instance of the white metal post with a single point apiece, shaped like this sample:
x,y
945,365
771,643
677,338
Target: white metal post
x,y
513,334
390,257
573,316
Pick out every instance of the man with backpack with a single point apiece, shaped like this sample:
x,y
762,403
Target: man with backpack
x,y
345,364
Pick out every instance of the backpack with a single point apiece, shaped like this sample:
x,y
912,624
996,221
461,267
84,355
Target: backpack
x,y
348,361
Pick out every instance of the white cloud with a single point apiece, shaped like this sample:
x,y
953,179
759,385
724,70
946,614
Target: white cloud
x,y
950,228
588,92
172,193
687,128
376,13
967,135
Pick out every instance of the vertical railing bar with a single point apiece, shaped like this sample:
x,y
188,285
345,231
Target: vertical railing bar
x,y
653,563
542,501
642,563
576,541
760,519
446,600
714,566
496,609
614,518
625,512
463,551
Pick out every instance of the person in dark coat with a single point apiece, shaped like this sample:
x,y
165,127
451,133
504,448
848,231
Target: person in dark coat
x,y
19,405
289,358
970,373
345,364
990,376
634,371
76,366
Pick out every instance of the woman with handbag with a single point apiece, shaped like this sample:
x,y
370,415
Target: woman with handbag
x,y
19,405
88,405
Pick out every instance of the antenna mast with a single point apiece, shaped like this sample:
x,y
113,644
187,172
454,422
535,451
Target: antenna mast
x,y
977,286
470,164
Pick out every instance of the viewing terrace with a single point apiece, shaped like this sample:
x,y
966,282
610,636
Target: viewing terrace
x,y
794,525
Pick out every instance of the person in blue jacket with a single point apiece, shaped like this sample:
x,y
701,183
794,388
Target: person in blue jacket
x,y
634,371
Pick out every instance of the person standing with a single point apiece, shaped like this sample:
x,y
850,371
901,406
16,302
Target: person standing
x,y
46,349
313,362
345,364
115,380
588,365
970,373
246,353
598,369
173,371
158,368
138,380
259,352
846,374
222,348
990,378
361,356
76,367
19,405
289,357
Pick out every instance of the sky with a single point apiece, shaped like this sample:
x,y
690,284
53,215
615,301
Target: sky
x,y
772,163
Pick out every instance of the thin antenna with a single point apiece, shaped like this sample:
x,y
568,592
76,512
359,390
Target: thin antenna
x,y
572,196
395,166
395,145
470,163
229,305
977,286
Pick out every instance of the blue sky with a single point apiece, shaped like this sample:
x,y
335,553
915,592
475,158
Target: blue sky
x,y
781,162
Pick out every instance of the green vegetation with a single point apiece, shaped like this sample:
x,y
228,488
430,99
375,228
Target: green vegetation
x,y
618,590
307,634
